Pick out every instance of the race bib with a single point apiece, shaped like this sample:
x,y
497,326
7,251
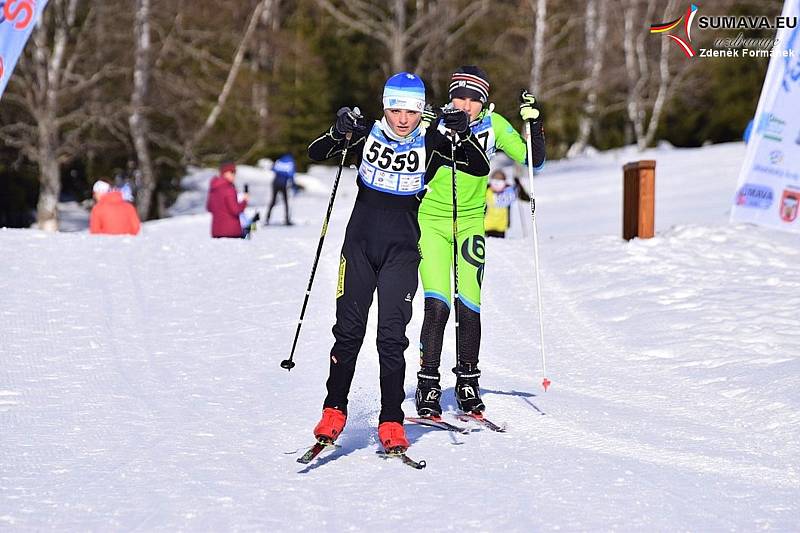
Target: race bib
x,y
505,198
484,132
393,167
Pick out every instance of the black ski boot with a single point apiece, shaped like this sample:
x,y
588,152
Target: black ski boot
x,y
429,392
468,393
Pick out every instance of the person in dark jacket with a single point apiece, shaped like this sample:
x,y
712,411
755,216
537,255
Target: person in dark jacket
x,y
396,157
284,176
223,204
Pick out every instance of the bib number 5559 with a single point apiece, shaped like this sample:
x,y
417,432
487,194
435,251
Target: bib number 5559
x,y
387,159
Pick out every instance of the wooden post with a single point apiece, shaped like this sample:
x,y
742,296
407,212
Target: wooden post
x,y
639,200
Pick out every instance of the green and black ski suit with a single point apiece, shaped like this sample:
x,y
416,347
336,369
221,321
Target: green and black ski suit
x,y
494,133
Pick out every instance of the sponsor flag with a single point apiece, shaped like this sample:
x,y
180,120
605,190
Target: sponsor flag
x,y
768,192
17,20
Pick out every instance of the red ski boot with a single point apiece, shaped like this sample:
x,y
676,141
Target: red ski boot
x,y
393,437
330,426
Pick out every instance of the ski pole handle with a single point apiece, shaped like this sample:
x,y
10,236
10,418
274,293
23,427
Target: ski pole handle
x,y
355,114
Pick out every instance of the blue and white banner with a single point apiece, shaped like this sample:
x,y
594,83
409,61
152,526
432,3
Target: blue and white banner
x,y
768,192
17,20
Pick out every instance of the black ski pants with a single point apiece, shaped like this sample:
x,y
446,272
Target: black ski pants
x,y
276,190
380,251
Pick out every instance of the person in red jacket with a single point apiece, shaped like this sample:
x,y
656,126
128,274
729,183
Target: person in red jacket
x,y
112,215
223,205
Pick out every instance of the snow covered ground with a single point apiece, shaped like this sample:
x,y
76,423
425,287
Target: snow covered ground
x,y
140,387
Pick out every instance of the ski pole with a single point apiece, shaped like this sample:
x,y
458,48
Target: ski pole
x,y
545,381
288,364
455,244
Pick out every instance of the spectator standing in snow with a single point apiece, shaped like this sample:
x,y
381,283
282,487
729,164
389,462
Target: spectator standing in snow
x,y
223,204
500,196
284,177
112,215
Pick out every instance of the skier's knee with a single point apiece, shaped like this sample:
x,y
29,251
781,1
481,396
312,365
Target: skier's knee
x,y
436,312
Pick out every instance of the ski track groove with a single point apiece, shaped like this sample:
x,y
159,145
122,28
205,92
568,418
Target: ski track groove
x,y
582,333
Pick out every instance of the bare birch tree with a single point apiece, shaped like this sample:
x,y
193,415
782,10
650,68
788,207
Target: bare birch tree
x,y
405,33
539,8
664,79
233,72
547,29
595,30
265,63
445,37
651,80
138,121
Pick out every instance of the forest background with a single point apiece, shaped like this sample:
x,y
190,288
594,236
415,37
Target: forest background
x,y
142,89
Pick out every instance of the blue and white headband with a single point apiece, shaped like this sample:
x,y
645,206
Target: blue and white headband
x,y
404,91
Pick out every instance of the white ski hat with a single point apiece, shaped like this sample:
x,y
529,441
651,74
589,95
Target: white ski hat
x,y
100,187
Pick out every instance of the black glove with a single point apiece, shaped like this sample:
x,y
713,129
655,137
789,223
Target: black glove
x,y
348,120
456,120
429,116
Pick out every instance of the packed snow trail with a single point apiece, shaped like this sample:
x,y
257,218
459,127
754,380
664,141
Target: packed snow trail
x,y
140,386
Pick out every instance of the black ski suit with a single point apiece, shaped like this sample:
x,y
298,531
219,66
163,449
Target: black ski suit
x,y
380,250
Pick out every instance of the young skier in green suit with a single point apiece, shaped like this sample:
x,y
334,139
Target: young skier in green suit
x,y
469,91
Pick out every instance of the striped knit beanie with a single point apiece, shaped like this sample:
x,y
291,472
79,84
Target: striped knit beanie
x,y
470,82
404,91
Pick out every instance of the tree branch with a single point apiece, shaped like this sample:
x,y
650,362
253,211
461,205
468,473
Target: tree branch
x,y
226,89
363,24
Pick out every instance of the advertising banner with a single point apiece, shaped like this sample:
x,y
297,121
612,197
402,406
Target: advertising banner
x,y
768,192
17,20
